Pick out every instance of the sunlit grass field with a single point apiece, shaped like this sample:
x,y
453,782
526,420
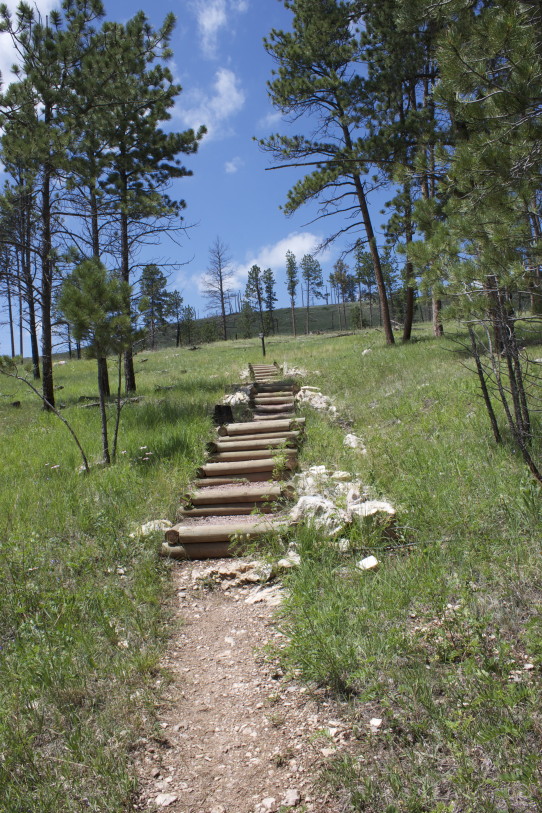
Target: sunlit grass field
x,y
83,609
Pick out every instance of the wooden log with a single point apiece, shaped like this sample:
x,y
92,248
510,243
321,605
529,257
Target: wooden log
x,y
206,550
255,427
261,443
249,454
241,467
251,477
195,532
230,510
210,550
277,416
276,386
294,435
270,409
240,493
277,398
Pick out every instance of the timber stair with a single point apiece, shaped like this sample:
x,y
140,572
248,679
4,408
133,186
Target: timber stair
x,y
240,490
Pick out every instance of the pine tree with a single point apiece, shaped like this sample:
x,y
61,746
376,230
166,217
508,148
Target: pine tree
x,y
143,157
270,299
93,303
153,301
175,310
311,274
292,281
31,112
318,76
254,293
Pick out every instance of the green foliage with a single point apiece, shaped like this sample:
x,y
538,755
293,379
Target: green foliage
x,y
94,303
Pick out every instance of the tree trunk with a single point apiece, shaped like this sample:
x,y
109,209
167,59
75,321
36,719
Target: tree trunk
x,y
367,223
103,376
102,363
293,318
129,372
47,288
10,315
409,269
438,328
103,416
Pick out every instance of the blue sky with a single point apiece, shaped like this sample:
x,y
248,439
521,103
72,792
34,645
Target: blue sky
x,y
221,63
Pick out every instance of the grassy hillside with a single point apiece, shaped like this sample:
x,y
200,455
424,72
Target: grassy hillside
x,y
439,642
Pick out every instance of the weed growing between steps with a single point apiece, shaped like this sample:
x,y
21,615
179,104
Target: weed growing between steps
x,y
444,641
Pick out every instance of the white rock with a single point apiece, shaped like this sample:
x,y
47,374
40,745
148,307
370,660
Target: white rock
x,y
367,350
236,398
267,805
354,442
371,507
369,563
321,511
341,475
152,526
292,797
271,595
165,799
292,560
376,722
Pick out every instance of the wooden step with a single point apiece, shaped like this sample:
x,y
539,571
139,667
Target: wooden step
x,y
261,444
254,427
250,454
238,493
241,467
229,510
294,435
200,531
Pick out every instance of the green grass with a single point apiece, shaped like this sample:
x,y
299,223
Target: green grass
x,y
82,620
83,609
435,642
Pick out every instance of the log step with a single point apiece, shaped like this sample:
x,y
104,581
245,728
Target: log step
x,y
261,444
280,406
285,398
254,427
230,510
294,435
277,416
250,454
201,531
238,494
241,467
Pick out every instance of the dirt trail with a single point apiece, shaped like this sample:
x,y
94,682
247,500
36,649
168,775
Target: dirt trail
x,y
237,737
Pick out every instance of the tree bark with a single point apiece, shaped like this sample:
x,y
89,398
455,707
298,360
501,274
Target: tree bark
x,y
409,269
129,372
102,362
47,288
368,225
438,328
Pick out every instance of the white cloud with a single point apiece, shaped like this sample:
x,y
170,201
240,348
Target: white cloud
x,y
225,100
269,120
8,55
234,165
274,256
270,256
212,16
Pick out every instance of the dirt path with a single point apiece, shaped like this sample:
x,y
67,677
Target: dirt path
x,y
237,736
